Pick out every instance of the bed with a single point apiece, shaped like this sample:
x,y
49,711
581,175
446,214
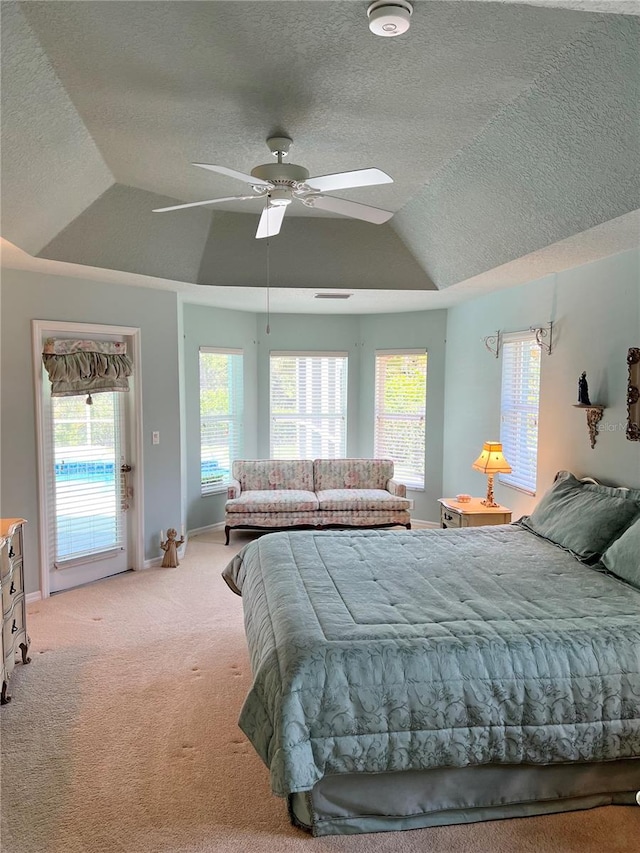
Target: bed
x,y
410,679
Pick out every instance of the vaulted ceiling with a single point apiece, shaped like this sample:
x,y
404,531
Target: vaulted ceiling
x,y
508,127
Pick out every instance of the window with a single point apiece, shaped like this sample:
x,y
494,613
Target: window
x,y
221,412
400,410
308,405
519,409
85,449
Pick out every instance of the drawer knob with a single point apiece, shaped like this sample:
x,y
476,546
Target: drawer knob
x,y
12,553
12,588
14,627
448,517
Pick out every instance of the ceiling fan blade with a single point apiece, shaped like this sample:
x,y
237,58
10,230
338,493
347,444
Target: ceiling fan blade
x,y
345,180
270,221
352,209
233,173
208,201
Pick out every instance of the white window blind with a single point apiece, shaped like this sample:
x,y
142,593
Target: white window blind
x,y
400,411
86,490
221,415
519,409
308,405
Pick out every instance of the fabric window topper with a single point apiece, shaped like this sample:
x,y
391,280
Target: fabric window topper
x,y
86,367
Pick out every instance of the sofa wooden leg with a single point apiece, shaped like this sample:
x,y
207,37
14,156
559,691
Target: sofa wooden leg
x,y
226,533
408,525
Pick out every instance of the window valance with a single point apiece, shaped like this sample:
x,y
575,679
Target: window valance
x,y
86,367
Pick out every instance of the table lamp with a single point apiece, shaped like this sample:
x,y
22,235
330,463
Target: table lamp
x,y
491,461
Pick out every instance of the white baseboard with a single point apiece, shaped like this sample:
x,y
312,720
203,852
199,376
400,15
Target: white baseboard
x,y
209,528
30,597
417,523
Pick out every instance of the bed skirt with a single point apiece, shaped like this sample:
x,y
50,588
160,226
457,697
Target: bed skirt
x,y
377,802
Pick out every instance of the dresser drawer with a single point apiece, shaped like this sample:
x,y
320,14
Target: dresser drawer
x,y
14,628
448,518
11,552
15,545
12,586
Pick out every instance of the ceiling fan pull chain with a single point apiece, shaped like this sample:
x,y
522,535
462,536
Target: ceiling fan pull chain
x,y
268,310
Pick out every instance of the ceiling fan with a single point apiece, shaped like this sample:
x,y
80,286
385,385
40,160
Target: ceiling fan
x,y
281,183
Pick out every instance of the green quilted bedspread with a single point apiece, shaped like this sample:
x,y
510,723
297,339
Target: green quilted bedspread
x,y
378,651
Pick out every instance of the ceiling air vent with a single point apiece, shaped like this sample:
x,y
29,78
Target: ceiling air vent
x,y
333,295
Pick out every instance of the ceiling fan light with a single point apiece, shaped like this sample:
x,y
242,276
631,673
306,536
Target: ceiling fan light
x,y
389,18
280,197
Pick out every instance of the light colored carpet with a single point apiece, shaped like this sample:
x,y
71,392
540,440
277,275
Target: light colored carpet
x,y
122,735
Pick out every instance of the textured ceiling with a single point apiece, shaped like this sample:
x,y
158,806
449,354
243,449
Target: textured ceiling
x,y
611,238
507,128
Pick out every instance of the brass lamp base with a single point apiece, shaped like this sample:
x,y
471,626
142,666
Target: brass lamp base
x,y
489,501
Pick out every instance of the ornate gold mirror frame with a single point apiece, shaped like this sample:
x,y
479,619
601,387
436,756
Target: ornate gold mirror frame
x,y
633,395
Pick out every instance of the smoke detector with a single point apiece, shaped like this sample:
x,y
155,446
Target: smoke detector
x,y
389,18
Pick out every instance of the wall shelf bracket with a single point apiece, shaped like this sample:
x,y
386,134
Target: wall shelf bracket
x,y
594,416
542,333
493,343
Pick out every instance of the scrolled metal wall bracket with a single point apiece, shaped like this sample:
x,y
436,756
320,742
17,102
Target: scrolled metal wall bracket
x,y
493,343
542,333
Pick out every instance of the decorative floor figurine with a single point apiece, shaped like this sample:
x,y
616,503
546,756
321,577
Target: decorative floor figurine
x,y
170,548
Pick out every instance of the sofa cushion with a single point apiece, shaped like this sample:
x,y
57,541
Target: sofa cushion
x,y
360,500
364,518
351,473
273,500
276,520
261,474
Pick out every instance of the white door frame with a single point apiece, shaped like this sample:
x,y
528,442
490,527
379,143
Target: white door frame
x,y
86,330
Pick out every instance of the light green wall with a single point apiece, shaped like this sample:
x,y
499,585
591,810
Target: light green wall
x,y
596,313
595,308
214,327
359,336
26,296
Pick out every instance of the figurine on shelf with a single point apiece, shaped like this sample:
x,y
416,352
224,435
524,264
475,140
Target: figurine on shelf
x,y
170,548
583,391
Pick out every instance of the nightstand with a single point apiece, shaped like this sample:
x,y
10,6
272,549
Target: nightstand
x,y
471,514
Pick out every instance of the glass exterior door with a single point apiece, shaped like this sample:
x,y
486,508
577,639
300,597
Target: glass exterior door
x,y
88,494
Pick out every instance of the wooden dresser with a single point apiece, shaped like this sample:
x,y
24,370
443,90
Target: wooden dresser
x,y
14,636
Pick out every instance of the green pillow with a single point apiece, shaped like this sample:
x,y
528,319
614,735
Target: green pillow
x,y
623,556
584,518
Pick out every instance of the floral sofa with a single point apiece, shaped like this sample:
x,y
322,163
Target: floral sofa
x,y
278,494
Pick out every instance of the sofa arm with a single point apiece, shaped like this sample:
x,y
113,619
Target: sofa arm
x,y
396,488
233,490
